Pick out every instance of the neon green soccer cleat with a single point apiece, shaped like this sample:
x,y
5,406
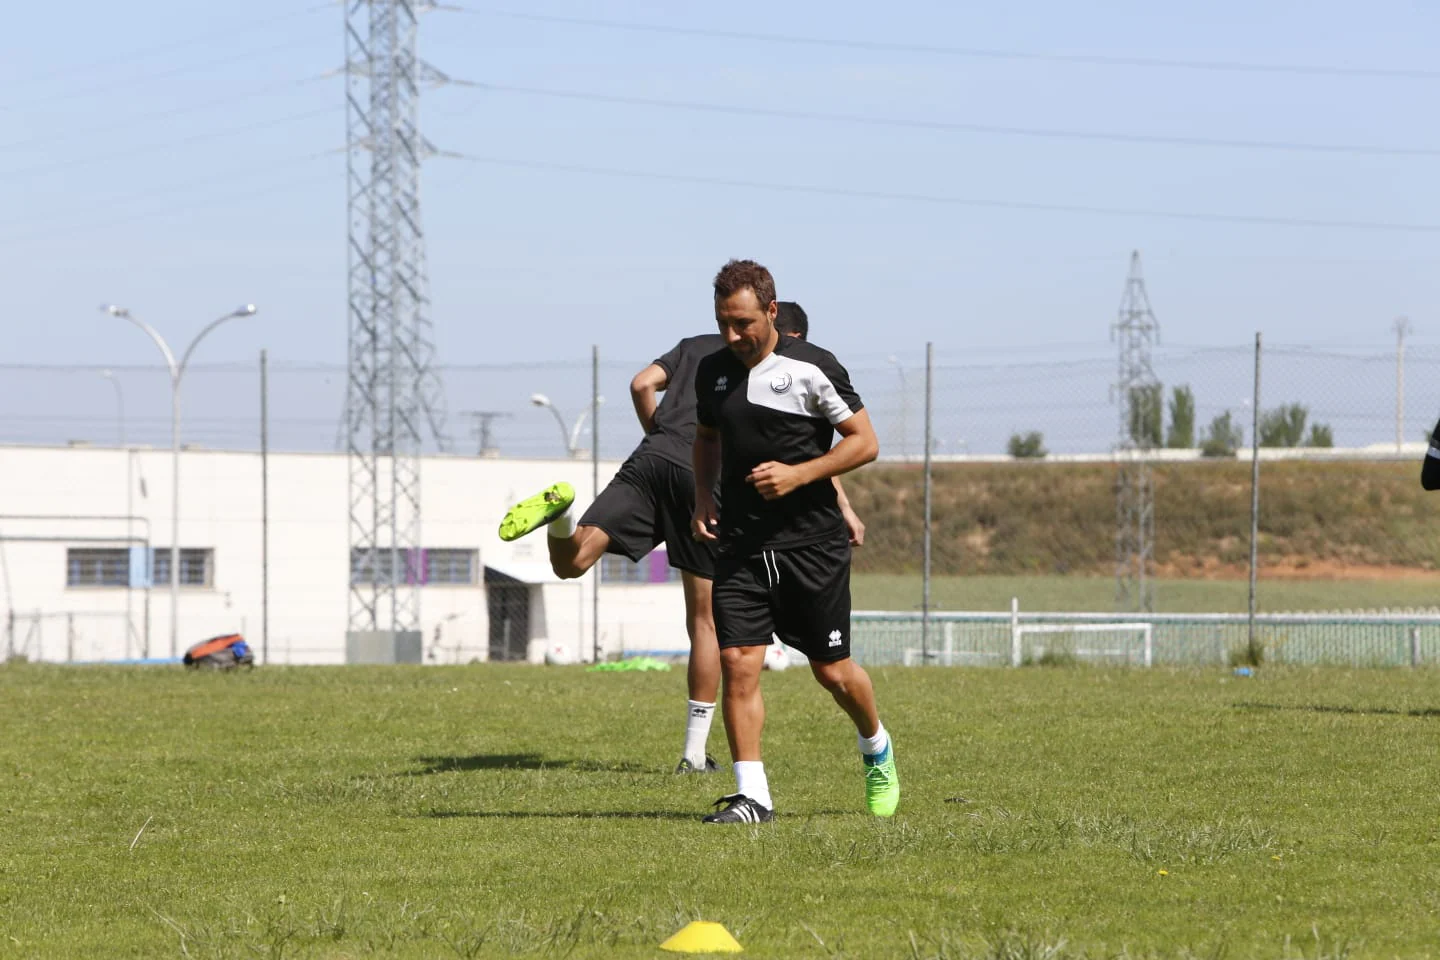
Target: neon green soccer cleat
x,y
531,514
882,783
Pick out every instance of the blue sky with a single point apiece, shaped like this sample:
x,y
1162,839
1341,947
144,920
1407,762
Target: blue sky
x,y
183,158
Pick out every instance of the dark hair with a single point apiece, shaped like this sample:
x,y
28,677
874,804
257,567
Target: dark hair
x,y
790,319
740,275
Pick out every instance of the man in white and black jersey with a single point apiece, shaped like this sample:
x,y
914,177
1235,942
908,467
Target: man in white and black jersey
x,y
767,411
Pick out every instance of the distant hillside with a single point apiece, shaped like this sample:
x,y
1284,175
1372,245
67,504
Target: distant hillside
x,y
1316,519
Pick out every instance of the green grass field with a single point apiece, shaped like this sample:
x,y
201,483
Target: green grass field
x,y
492,811
878,591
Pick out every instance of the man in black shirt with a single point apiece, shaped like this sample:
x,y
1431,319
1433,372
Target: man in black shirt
x,y
650,500
767,410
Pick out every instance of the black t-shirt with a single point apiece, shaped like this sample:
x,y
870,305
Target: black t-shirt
x,y
784,410
674,432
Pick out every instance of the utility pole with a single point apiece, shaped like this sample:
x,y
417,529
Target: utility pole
x,y
482,430
1137,331
393,385
1402,327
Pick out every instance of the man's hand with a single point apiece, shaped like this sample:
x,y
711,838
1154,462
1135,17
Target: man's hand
x,y
775,480
857,529
704,521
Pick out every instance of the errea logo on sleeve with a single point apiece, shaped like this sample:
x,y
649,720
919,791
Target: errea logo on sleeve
x,y
721,384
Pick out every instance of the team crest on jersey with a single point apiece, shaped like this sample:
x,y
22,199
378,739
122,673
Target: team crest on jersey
x,y
781,383
721,383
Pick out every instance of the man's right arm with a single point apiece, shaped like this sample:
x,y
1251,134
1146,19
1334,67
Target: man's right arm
x,y
705,460
648,382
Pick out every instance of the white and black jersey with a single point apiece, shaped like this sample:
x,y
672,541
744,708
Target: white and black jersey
x,y
784,410
1430,470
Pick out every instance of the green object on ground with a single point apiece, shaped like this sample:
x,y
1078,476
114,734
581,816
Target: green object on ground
x,y
633,663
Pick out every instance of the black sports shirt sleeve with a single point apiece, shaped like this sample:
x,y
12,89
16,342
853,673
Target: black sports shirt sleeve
x,y
834,396
705,394
671,359
1430,470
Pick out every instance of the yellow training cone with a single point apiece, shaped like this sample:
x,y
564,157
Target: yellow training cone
x,y
702,936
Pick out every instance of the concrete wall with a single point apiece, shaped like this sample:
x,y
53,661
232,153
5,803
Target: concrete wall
x,y
63,493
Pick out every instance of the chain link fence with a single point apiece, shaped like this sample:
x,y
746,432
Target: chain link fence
x,y
1023,471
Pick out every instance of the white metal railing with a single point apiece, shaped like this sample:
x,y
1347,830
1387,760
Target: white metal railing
x,y
989,638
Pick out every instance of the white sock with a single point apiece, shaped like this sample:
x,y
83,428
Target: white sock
x,y
874,746
563,526
697,731
750,780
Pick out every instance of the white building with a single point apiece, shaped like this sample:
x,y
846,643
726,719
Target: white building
x,y
77,524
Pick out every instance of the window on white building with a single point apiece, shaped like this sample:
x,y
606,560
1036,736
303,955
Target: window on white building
x,y
450,566
445,566
197,567
89,567
618,569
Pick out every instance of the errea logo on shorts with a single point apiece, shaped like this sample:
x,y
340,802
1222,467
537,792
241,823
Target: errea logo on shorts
x,y
835,637
721,383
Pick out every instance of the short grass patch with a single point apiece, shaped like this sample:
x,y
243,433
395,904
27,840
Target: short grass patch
x,y
495,811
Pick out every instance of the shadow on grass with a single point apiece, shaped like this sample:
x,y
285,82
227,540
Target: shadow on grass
x,y
694,815
521,761
1426,712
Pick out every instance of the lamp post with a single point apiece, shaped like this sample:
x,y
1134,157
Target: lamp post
x,y
129,508
569,435
177,371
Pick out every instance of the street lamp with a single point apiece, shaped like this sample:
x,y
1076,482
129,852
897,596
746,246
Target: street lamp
x,y
570,436
129,505
177,371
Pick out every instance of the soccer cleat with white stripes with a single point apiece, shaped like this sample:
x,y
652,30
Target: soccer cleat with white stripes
x,y
740,809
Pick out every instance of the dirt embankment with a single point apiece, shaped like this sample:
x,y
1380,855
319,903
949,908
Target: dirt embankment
x,y
1317,520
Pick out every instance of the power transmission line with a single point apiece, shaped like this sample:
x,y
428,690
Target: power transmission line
x,y
167,144
186,207
227,33
940,200
974,53
119,83
131,121
971,128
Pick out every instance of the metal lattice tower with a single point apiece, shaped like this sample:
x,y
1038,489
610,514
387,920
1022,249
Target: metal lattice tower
x,y
1138,394
393,391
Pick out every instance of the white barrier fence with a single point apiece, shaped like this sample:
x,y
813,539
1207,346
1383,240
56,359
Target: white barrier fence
x,y
1013,638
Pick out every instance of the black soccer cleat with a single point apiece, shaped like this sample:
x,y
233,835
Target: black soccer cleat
x,y
740,809
710,766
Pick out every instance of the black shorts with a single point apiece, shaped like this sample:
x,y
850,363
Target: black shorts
x,y
651,501
800,594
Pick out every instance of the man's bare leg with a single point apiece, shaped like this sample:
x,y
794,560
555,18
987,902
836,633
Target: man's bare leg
x,y
745,719
850,685
703,674
572,557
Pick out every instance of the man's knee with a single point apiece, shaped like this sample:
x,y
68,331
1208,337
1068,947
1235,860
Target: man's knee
x,y
567,569
734,659
834,677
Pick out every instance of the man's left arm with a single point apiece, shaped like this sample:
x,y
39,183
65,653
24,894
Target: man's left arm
x,y
858,446
852,519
